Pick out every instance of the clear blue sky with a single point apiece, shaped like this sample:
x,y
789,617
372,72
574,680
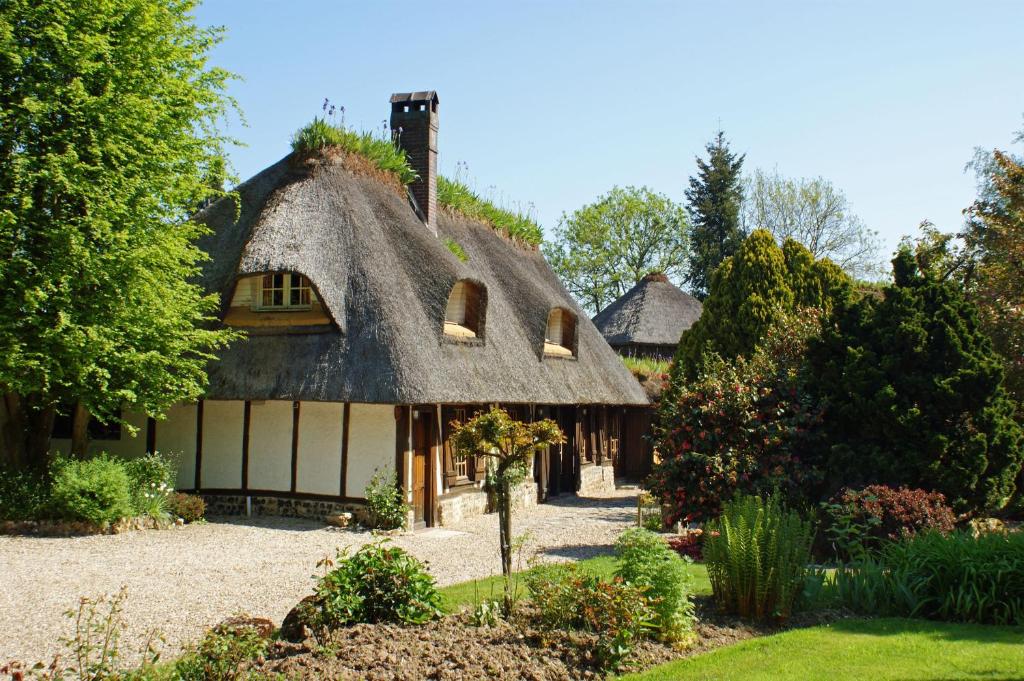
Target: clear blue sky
x,y
553,103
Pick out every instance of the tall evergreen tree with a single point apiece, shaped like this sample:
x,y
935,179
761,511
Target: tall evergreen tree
x,y
108,136
713,202
914,395
752,290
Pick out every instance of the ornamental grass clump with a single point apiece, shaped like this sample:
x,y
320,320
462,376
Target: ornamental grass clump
x,y
955,578
757,553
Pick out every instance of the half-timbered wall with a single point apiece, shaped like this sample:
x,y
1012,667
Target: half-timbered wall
x,y
318,467
270,445
371,444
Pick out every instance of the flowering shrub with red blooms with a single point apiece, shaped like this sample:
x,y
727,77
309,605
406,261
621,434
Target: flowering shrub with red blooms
x,y
744,426
871,515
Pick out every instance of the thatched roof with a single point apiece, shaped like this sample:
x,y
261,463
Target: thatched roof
x,y
385,279
654,312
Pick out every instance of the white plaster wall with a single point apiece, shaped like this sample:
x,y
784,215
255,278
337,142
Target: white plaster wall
x,y
320,432
222,444
176,436
371,444
270,445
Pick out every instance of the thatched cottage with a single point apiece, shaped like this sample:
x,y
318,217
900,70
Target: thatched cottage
x,y
648,320
367,337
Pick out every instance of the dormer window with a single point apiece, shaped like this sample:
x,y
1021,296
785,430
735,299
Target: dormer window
x,y
285,291
560,336
464,315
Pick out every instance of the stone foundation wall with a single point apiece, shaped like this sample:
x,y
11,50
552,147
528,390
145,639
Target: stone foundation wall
x,y
596,481
460,505
286,507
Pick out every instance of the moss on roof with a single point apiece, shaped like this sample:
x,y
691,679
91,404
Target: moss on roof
x,y
321,135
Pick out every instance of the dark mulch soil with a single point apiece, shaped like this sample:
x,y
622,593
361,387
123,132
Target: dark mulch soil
x,y
454,649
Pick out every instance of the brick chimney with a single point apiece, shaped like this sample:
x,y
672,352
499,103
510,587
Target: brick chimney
x,y
415,115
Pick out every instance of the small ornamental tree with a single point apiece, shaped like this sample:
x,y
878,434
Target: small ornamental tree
x,y
914,396
509,446
746,425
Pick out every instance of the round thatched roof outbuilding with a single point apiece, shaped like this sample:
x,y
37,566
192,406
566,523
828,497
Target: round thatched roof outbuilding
x,y
649,318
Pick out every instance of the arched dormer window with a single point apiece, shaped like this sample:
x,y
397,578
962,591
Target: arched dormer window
x,y
464,315
560,336
276,299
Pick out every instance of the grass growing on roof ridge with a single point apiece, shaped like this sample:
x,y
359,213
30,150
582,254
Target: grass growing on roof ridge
x,y
379,150
646,366
458,197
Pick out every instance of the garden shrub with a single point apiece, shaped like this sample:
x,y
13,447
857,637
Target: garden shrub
x,y
385,502
96,490
24,494
647,561
954,577
618,613
152,479
743,426
756,554
221,655
376,584
188,507
856,521
917,369
689,545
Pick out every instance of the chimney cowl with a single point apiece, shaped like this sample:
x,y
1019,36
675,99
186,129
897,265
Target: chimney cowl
x,y
414,126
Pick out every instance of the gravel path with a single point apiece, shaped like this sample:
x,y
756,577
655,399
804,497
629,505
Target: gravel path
x,y
184,580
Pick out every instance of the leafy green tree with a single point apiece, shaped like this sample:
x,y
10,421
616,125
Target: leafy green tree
x,y
604,248
751,291
814,213
509,445
713,203
913,394
109,132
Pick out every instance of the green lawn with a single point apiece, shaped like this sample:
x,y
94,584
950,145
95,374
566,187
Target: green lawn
x,y
861,649
471,593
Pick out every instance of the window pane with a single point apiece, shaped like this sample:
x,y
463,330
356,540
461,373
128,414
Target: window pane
x,y
278,281
278,297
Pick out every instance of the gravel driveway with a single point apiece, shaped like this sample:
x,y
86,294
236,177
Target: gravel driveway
x,y
184,580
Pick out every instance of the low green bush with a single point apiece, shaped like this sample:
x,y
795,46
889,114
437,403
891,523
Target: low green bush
x,y
955,578
96,490
221,654
188,507
152,479
385,504
757,553
24,495
378,583
647,561
618,613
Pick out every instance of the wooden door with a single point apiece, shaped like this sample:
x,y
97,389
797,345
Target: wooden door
x,y
422,442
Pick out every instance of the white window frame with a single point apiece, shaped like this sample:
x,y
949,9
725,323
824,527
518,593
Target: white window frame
x,y
287,287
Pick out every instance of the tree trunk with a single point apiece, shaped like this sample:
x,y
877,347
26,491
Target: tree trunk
x,y
40,428
79,430
13,431
505,537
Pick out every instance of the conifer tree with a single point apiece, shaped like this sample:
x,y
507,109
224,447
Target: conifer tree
x,y
914,394
751,291
713,202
